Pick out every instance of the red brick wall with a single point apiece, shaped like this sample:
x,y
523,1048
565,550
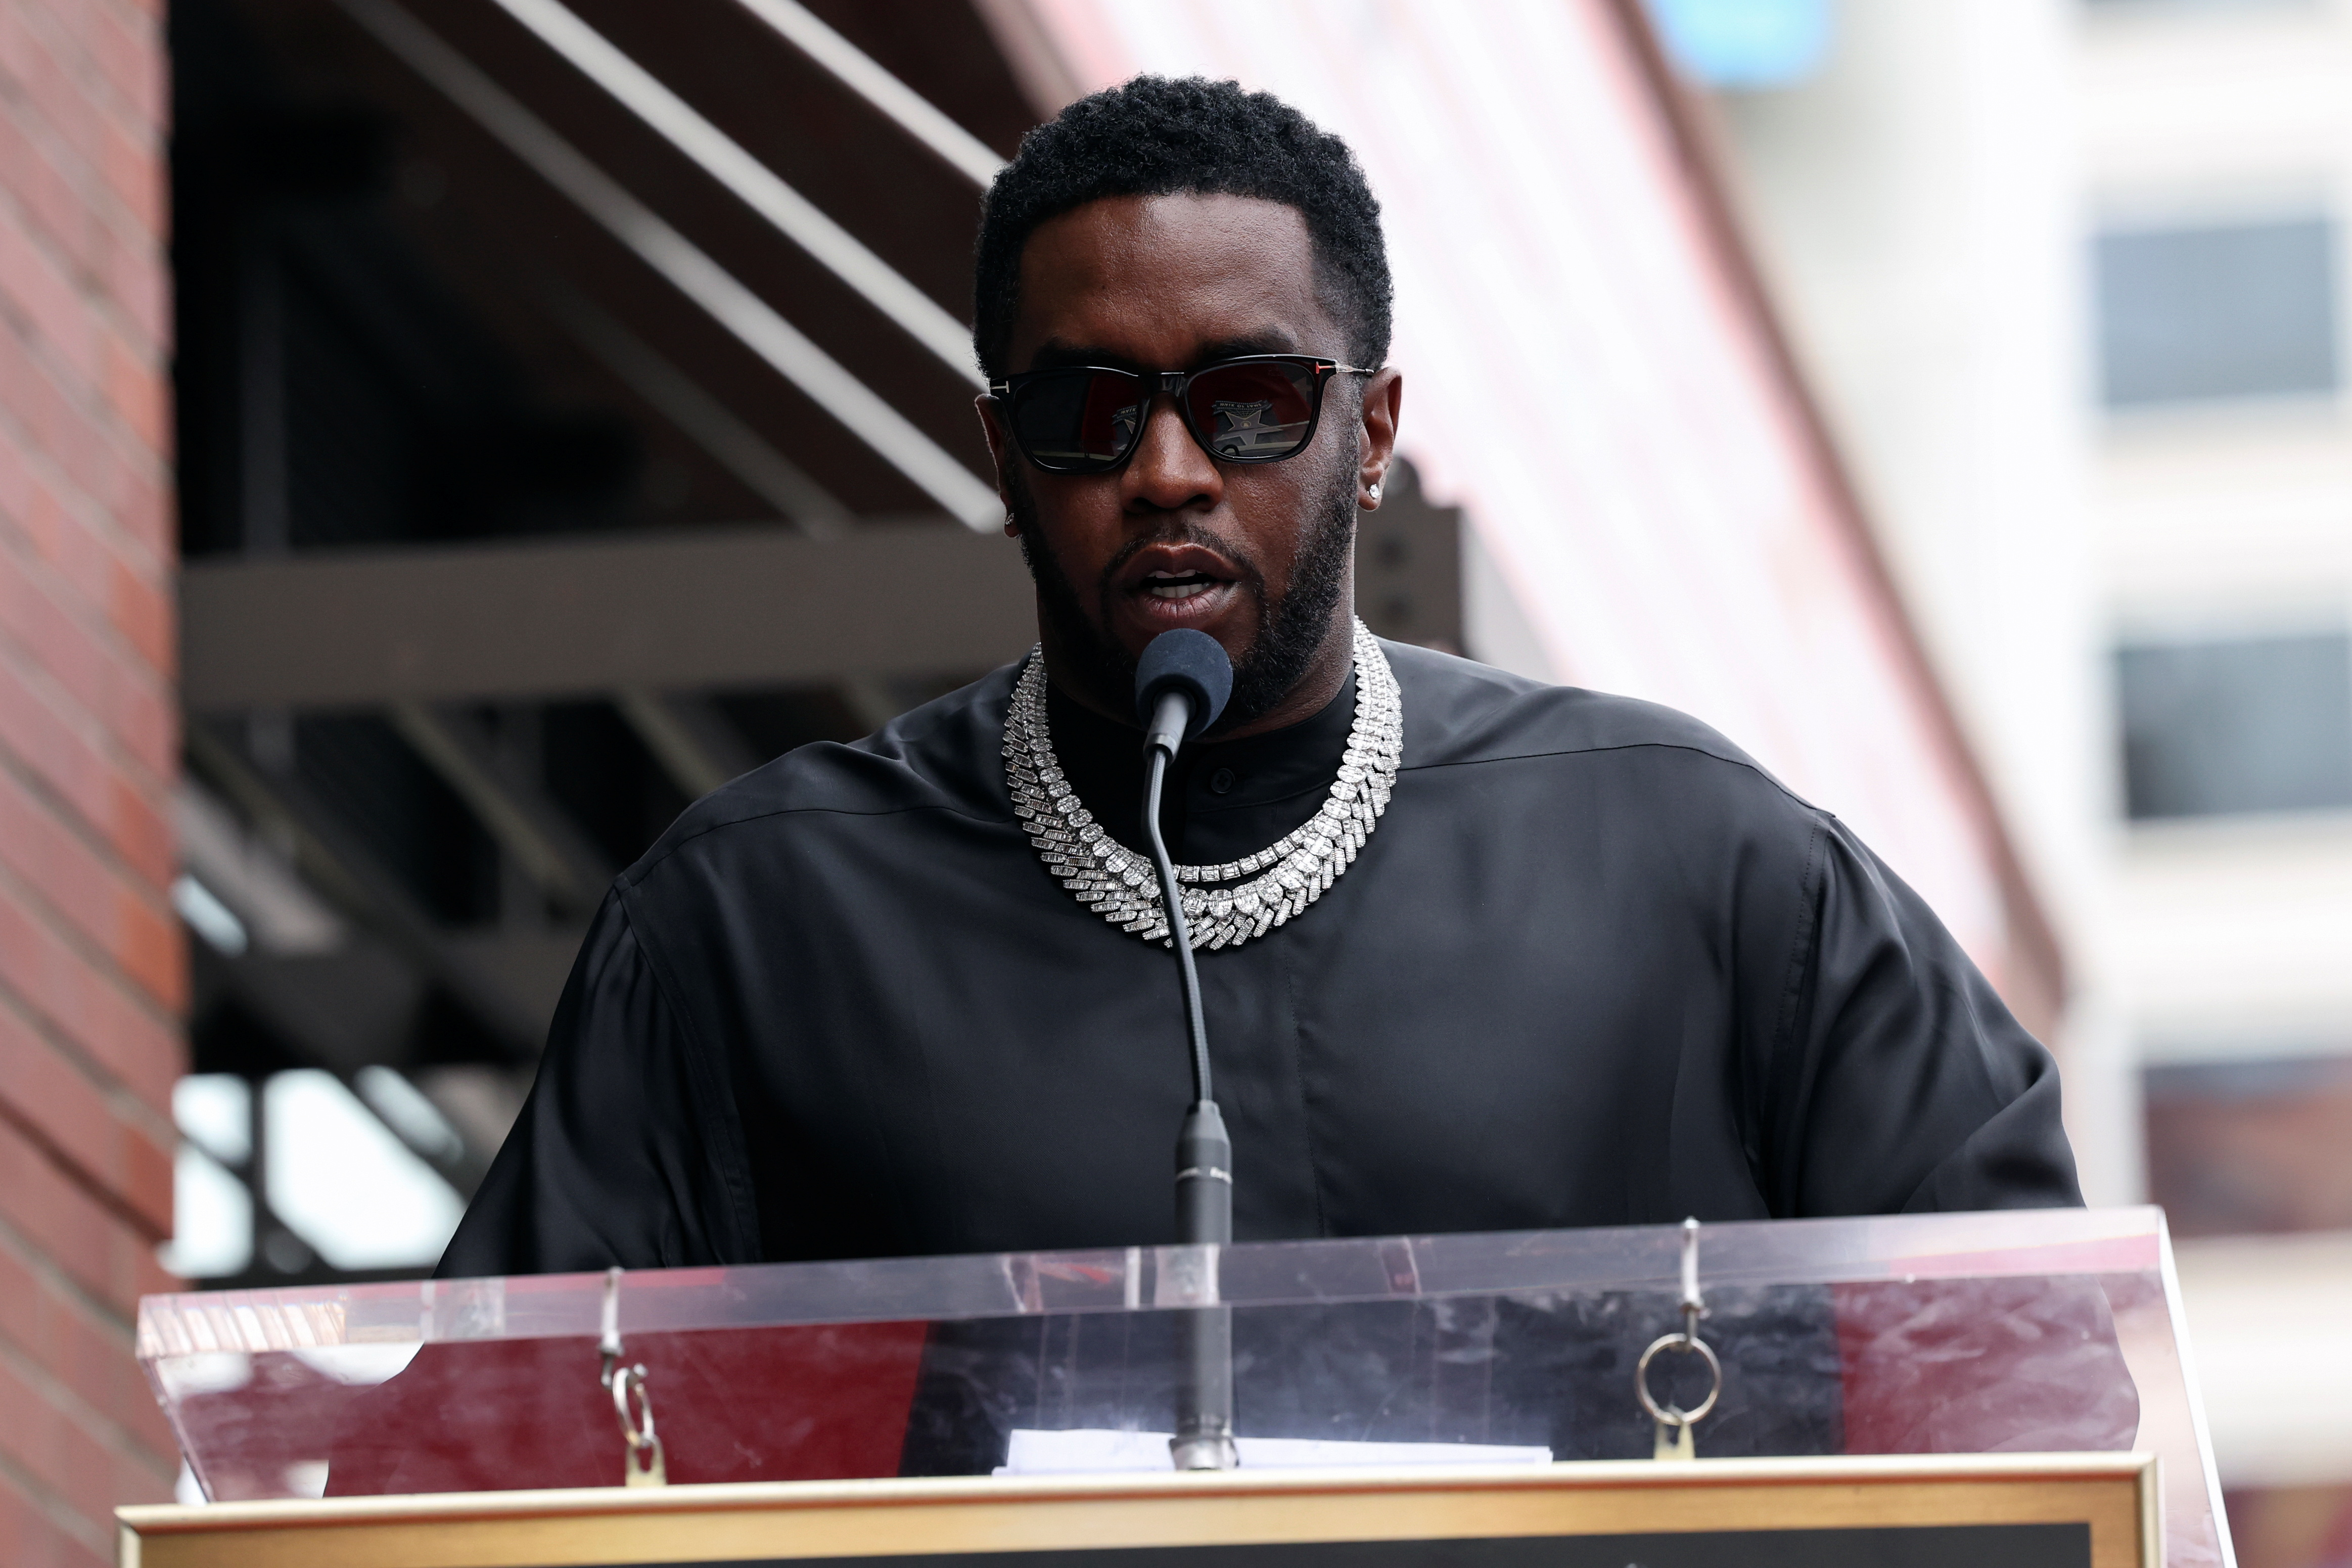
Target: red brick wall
x,y
91,968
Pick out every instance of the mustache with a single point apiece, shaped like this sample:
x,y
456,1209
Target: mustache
x,y
1179,530
1287,632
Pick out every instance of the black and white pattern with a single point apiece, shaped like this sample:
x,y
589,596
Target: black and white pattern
x,y
1227,904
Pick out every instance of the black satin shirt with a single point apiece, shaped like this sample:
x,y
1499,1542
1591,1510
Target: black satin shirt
x,y
1594,967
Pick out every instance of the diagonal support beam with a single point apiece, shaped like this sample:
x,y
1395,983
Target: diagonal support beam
x,y
753,183
331,860
708,423
693,742
856,70
526,824
687,266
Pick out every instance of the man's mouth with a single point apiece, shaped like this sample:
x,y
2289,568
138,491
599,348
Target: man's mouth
x,y
1177,585
1166,586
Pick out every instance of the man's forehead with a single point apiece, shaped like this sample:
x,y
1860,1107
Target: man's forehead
x,y
1150,277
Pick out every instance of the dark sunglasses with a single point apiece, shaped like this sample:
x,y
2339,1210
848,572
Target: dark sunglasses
x,y
1086,419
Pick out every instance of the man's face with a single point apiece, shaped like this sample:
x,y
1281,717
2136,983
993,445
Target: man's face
x,y
1258,555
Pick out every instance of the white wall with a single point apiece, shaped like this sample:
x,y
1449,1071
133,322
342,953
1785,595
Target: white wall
x,y
1914,208
1925,207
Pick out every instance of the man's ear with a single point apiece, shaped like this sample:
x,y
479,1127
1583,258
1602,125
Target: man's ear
x,y
999,452
1383,406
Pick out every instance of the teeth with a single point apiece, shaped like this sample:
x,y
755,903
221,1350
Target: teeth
x,y
1179,590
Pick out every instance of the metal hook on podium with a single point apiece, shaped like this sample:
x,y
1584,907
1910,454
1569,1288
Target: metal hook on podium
x,y
1674,1423
641,1457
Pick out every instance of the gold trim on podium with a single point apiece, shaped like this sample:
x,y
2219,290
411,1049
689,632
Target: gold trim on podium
x,y
2114,1494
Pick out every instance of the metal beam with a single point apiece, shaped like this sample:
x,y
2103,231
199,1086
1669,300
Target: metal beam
x,y
680,612
688,268
707,422
753,183
688,736
331,860
528,825
859,72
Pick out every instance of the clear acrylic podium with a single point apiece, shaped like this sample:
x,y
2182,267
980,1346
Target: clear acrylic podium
x,y
2023,1333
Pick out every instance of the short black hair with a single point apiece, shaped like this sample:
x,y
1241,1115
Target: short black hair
x,y
1155,136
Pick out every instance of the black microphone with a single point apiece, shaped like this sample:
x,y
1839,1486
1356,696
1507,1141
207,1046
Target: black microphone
x,y
1181,687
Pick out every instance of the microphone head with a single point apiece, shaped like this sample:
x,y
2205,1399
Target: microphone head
x,y
1189,661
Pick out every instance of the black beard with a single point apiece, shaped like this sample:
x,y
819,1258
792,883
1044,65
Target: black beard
x,y
1289,630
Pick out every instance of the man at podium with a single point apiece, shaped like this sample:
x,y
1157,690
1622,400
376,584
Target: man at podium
x,y
1475,953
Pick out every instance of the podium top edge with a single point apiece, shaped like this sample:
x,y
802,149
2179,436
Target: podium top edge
x,y
154,1520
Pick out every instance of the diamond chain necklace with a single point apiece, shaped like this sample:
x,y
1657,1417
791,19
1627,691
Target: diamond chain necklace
x,y
1227,904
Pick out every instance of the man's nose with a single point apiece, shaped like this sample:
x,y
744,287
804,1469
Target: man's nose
x,y
1169,470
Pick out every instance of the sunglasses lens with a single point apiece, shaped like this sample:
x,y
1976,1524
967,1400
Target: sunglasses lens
x,y
1253,413
1078,420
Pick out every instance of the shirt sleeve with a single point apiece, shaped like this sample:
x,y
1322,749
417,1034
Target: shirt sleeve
x,y
627,1151
1899,1082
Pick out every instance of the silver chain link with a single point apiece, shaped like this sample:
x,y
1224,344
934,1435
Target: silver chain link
x,y
1224,905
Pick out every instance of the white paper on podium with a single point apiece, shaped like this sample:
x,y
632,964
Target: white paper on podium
x,y
1093,1450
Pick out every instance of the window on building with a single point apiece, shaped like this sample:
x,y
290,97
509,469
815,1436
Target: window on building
x,y
2250,1144
2190,314
2253,725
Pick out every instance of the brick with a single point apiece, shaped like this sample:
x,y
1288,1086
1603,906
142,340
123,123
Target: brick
x,y
48,307
56,426
51,1446
20,52
61,104
94,1360
139,501
88,1246
48,202
126,154
132,276
143,613
127,921
88,1354
85,1007
110,576
89,668
61,754
139,394
29,1538
129,61
60,109
47,1441
92,966
116,1147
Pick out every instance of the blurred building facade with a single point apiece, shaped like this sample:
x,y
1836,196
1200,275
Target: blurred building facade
x,y
2071,276
573,410
92,974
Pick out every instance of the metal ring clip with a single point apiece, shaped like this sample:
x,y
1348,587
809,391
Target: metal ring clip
x,y
641,1459
1670,1415
637,1432
1686,1342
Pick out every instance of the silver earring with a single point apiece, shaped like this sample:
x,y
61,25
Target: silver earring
x,y
1376,492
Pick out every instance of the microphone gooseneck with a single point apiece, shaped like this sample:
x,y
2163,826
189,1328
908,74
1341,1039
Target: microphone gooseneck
x,y
1181,687
1180,931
